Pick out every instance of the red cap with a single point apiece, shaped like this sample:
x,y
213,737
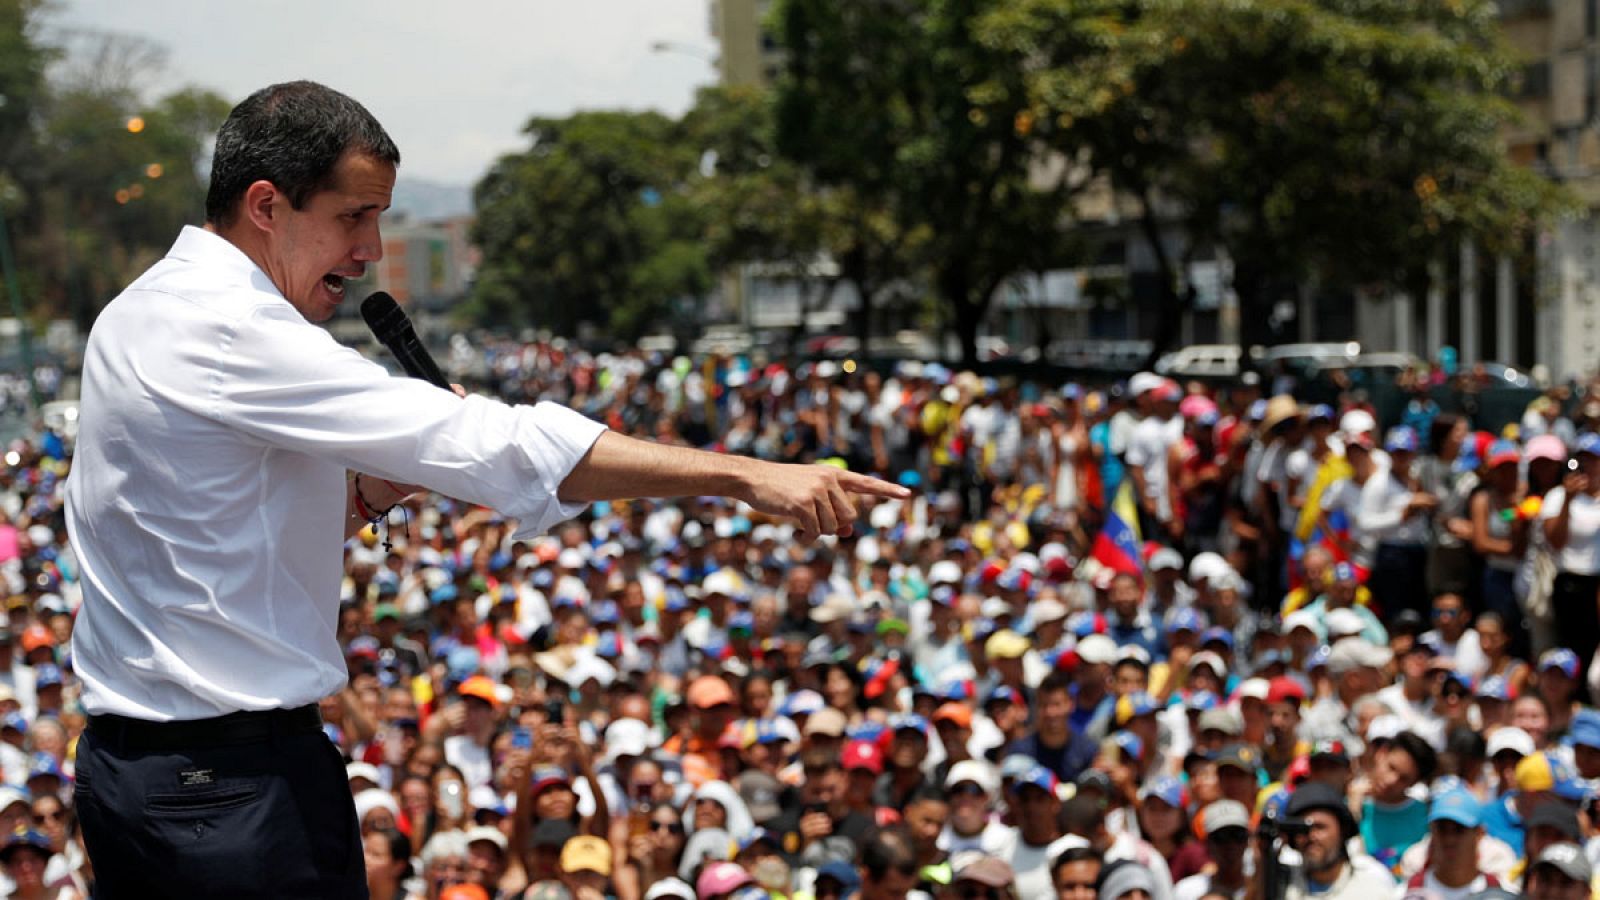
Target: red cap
x,y
863,755
1285,688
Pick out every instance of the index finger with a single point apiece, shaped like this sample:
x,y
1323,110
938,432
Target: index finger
x,y
877,487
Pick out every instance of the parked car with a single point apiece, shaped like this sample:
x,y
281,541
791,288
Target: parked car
x,y
1201,361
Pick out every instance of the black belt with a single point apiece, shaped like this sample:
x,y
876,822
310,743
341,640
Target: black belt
x,y
234,728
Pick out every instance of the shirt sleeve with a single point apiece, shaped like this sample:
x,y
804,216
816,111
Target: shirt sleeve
x,y
293,386
1553,501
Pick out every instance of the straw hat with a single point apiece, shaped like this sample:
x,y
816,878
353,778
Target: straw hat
x,y
1279,409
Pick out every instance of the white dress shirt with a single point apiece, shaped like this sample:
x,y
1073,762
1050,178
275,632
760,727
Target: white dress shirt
x,y
207,499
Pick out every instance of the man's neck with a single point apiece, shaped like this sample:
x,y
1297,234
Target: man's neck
x,y
1326,875
1041,838
1458,879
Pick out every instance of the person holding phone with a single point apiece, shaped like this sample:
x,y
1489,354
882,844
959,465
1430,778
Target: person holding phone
x,y
1571,521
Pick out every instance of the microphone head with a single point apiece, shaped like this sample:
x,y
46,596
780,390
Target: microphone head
x,y
384,316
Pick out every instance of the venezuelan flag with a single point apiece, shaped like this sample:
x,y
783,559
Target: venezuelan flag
x,y
1117,545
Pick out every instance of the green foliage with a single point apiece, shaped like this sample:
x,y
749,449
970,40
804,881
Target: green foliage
x,y
589,225
1346,140
900,104
89,202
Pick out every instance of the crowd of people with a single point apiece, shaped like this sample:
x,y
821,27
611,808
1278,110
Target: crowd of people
x,y
1137,640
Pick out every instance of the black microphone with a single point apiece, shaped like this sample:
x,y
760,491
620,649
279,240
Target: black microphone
x,y
392,329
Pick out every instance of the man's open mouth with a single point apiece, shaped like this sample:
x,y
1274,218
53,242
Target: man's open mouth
x,y
334,284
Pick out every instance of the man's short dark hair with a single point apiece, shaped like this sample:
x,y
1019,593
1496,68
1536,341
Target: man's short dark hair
x,y
292,135
1420,752
888,849
1056,680
1074,855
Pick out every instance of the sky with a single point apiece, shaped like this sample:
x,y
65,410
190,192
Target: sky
x,y
453,83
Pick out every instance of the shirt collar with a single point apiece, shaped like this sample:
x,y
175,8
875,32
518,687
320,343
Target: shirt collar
x,y
199,246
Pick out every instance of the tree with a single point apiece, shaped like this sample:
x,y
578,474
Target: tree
x,y
897,103
590,225
1341,140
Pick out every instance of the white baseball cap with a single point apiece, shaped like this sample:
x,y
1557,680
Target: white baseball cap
x,y
1510,738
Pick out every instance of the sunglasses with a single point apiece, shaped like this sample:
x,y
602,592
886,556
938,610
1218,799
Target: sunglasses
x,y
669,827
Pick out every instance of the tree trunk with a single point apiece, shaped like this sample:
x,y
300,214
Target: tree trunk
x,y
1173,304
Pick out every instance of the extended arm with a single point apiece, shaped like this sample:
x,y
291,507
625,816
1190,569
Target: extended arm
x,y
817,497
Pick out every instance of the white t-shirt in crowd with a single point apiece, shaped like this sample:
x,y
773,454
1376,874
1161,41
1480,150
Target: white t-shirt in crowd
x,y
1581,555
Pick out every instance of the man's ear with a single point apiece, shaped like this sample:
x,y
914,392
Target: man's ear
x,y
262,201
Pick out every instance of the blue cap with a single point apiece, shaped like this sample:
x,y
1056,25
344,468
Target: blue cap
x,y
1133,705
1321,412
1037,776
677,600
1257,411
944,595
1319,658
1496,687
26,837
1130,744
1207,418
1200,701
1003,693
444,593
543,578
46,674
1072,391
1560,658
608,645
15,720
866,730
1585,729
1460,679
1458,806
1401,438
742,620
462,662
41,764
1588,442
1344,572
801,703
1083,624
605,613
842,872
1167,789
1217,633
1186,618
911,722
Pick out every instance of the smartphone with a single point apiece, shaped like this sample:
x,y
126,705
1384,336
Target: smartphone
x,y
521,739
555,712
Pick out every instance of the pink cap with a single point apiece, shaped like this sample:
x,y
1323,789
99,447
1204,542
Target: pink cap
x,y
720,878
1546,446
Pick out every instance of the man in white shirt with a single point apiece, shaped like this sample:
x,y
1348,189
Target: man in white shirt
x,y
228,446
1455,826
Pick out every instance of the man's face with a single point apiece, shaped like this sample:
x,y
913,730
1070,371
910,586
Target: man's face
x,y
1452,840
1394,773
1321,846
1285,717
1076,880
926,819
1448,616
485,864
1039,809
1054,708
969,808
1130,678
1125,597
907,749
312,251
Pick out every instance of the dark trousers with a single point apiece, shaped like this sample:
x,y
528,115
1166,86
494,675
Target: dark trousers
x,y
273,817
1399,580
1575,603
